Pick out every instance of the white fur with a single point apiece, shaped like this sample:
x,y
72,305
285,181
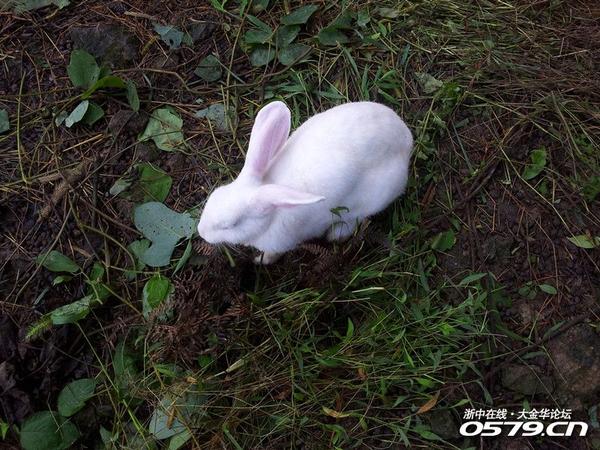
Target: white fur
x,y
353,158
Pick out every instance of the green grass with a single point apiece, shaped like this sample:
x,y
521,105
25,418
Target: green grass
x,y
348,359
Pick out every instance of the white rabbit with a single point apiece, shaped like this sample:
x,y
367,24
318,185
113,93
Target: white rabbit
x,y
338,168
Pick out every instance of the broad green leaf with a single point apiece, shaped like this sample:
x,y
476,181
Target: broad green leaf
x,y
60,118
124,366
343,21
74,395
73,312
123,361
528,291
55,261
332,36
108,439
83,70
585,241
216,114
218,5
292,53
261,56
77,114
179,440
472,278
21,6
4,123
156,290
548,289
537,164
164,128
427,434
209,69
93,114
444,241
4,427
104,72
96,287
109,81
132,96
256,36
164,228
47,430
428,83
165,422
137,248
259,23
173,411
61,279
97,272
259,5
154,184
169,35
285,35
300,15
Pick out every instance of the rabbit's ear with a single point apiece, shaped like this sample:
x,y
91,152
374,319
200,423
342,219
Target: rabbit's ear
x,y
270,196
270,131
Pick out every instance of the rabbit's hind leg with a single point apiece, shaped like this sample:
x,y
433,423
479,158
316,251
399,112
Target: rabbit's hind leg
x,y
267,258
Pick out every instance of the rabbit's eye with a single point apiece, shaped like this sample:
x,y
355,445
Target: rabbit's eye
x,y
229,225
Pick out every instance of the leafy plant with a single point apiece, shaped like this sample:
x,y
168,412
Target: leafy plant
x,y
137,248
428,83
164,228
55,261
585,241
74,395
124,367
4,123
176,409
444,241
537,164
164,128
152,184
334,33
82,69
72,312
209,69
300,15
156,291
21,6
4,427
218,116
172,36
47,430
266,44
85,73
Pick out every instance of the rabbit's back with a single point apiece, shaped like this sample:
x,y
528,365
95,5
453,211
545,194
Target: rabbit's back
x,y
350,150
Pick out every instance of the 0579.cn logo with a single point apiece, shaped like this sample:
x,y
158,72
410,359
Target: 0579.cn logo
x,y
493,422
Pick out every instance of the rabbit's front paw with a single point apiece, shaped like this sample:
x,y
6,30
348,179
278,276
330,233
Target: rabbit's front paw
x,y
267,258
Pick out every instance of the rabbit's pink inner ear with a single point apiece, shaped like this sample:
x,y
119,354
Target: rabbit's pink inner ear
x,y
270,196
270,131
